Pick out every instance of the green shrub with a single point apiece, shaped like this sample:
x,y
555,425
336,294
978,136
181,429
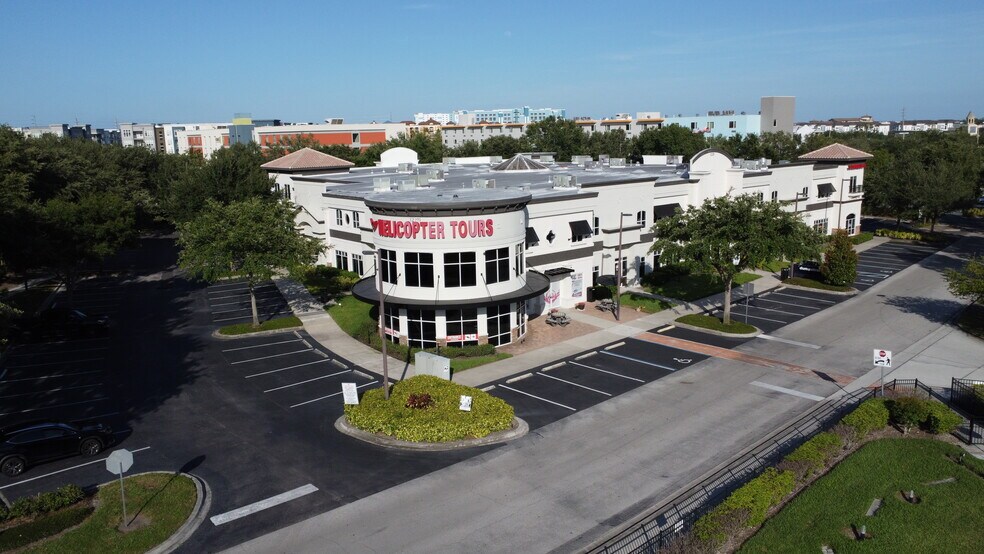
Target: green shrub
x,y
326,282
862,238
871,415
715,324
815,284
907,411
31,506
840,261
441,422
901,235
813,455
749,505
286,322
974,212
941,419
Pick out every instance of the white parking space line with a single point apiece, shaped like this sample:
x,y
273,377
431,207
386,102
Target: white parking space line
x,y
263,505
244,291
244,301
261,345
803,297
640,361
224,285
286,368
738,307
270,356
573,383
66,469
765,299
245,296
57,363
34,393
51,376
29,410
736,313
331,395
884,258
609,372
877,271
789,341
308,381
537,397
790,392
246,309
249,316
878,262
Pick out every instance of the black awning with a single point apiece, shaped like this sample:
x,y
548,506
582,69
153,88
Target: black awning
x,y
536,284
558,271
668,210
825,189
531,237
581,228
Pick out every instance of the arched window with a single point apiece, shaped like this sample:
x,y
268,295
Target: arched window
x,y
851,224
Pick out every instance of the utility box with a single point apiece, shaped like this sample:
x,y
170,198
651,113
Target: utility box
x,y
426,363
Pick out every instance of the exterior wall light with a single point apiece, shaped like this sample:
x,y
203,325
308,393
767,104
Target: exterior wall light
x,y
551,236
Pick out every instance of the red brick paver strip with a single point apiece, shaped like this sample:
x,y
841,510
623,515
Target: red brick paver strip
x,y
751,359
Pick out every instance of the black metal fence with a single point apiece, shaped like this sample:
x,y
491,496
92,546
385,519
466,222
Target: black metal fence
x,y
910,387
967,398
655,528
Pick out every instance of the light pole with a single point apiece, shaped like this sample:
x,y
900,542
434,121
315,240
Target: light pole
x,y
618,270
382,319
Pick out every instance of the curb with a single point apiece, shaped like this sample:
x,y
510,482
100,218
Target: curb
x,y
751,335
216,335
198,513
851,292
519,428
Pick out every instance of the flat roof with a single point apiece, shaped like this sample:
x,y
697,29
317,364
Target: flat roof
x,y
537,185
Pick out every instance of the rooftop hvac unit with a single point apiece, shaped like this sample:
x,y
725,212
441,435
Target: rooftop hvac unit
x,y
483,183
616,162
578,160
547,158
495,159
603,158
435,174
449,161
405,167
406,184
380,184
563,181
423,180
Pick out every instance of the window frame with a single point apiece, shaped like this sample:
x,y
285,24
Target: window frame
x,y
416,269
456,266
388,266
496,265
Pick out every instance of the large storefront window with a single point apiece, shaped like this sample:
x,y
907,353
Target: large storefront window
x,y
421,330
388,265
497,319
462,327
391,322
496,265
459,269
419,268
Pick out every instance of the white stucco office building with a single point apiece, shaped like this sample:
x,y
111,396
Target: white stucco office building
x,y
470,252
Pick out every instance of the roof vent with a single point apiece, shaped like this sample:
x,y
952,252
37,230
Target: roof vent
x,y
435,174
578,160
616,162
406,184
380,184
564,181
405,167
483,183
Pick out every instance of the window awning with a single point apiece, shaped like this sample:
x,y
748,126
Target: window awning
x,y
531,236
825,189
668,210
581,228
558,271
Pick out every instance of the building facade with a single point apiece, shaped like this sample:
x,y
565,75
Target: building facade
x,y
467,253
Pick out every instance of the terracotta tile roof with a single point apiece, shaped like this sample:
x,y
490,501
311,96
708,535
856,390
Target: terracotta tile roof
x,y
306,159
836,151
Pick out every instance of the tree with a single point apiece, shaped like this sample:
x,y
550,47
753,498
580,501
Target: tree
x,y
726,235
672,140
892,189
778,146
614,143
251,238
968,281
502,145
467,149
562,136
840,261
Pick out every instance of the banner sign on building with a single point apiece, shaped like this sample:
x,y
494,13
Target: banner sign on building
x,y
552,297
577,285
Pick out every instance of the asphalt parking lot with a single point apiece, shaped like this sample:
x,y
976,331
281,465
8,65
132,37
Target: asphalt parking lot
x,y
229,302
881,262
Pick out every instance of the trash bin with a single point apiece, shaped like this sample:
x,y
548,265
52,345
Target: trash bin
x,y
591,297
784,274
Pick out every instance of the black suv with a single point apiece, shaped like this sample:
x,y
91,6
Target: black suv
x,y
31,443
61,322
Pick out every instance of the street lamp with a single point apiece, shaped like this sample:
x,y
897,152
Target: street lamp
x,y
382,318
618,270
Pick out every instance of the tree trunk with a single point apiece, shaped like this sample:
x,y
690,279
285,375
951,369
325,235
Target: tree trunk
x,y
252,303
727,300
932,223
898,222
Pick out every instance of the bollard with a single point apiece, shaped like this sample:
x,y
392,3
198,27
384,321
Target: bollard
x,y
864,531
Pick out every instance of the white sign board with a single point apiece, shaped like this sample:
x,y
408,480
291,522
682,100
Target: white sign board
x,y
425,363
349,393
466,402
577,285
119,461
883,358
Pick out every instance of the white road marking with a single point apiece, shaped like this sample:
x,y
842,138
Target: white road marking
x,y
789,303
572,383
260,345
259,301
779,293
250,316
307,381
245,309
616,345
738,308
285,368
52,376
270,356
263,505
665,329
29,410
735,313
230,284
66,469
330,395
51,390
610,372
537,397
790,392
788,341
668,368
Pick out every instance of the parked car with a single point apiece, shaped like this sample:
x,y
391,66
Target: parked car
x,y
28,444
808,267
60,321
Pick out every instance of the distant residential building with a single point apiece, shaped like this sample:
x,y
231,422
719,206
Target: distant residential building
x,y
506,115
441,118
170,132
138,134
353,135
79,132
867,124
918,125
973,129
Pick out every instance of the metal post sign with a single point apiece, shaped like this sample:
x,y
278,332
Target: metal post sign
x,y
118,463
883,358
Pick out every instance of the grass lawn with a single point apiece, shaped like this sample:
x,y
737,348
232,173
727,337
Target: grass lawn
x,y
948,518
461,364
648,305
774,266
715,324
696,286
271,325
971,321
164,500
43,527
815,284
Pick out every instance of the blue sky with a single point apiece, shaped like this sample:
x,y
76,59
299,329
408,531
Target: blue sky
x,y
100,61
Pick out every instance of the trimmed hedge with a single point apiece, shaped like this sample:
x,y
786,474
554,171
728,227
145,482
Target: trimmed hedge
x,y
813,455
862,238
441,422
941,419
901,235
32,506
746,507
907,411
870,416
287,322
715,324
815,284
